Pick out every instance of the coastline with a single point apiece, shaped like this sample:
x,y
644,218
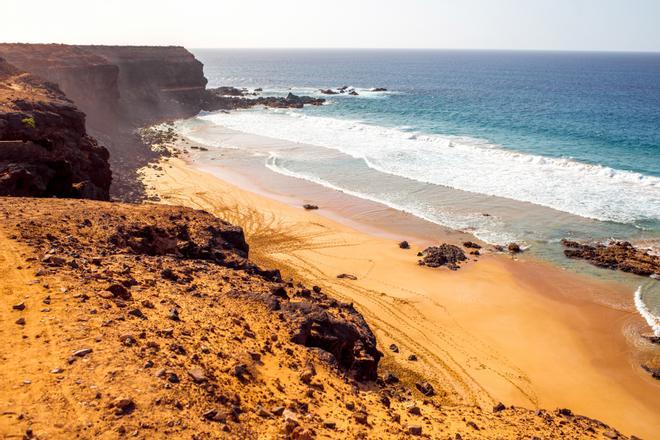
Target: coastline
x,y
465,327
163,321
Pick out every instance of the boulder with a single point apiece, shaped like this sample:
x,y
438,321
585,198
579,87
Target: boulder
x,y
443,255
123,406
514,248
425,388
654,372
347,336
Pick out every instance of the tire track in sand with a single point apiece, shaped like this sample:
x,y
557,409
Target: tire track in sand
x,y
448,354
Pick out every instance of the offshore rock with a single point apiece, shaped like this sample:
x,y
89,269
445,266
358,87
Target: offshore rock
x,y
218,99
619,255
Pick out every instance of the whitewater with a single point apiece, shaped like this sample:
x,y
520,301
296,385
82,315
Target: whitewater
x,y
466,163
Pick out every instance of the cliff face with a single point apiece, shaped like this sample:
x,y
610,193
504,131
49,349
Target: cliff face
x,y
119,88
127,84
155,82
44,148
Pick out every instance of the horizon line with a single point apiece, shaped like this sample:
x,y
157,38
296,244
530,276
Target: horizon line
x,y
472,49
657,51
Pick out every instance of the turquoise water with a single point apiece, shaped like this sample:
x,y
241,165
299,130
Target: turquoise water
x,y
550,145
600,108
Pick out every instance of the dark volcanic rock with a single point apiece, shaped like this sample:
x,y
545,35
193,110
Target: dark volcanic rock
x,y
425,388
651,338
216,99
328,92
230,91
499,407
654,372
514,248
617,255
348,338
211,242
44,148
443,255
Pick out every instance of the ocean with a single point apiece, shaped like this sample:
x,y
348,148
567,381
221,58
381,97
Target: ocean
x,y
529,147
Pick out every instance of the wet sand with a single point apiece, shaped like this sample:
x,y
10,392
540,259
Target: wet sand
x,y
500,329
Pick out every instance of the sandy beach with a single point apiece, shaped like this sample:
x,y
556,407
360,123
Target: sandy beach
x,y
499,329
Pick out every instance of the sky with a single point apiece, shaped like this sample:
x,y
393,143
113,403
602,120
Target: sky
x,y
615,25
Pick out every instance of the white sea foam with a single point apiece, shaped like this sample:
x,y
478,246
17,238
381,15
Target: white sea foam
x,y
468,164
483,228
652,320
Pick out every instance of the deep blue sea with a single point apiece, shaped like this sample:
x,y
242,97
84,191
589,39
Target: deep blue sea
x,y
548,144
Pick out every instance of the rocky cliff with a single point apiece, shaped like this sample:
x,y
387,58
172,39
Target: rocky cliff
x,y
44,148
135,84
119,88
155,83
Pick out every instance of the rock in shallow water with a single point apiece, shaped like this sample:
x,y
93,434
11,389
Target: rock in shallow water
x,y
443,255
620,255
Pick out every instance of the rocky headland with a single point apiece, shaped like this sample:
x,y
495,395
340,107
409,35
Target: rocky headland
x,y
120,89
124,88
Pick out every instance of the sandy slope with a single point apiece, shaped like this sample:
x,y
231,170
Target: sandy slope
x,y
230,365
520,332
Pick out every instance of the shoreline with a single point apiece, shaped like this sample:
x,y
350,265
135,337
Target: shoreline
x,y
465,327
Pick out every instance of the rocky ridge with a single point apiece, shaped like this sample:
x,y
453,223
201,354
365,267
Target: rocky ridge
x,y
44,148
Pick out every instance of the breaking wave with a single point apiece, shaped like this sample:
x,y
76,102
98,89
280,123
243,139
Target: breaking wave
x,y
652,320
468,164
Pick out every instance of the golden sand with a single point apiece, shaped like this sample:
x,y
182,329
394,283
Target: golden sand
x,y
521,332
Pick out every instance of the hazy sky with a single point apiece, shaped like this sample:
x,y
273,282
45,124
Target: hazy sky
x,y
487,24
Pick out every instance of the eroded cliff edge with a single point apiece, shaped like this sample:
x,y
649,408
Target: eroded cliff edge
x,y
119,88
44,147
